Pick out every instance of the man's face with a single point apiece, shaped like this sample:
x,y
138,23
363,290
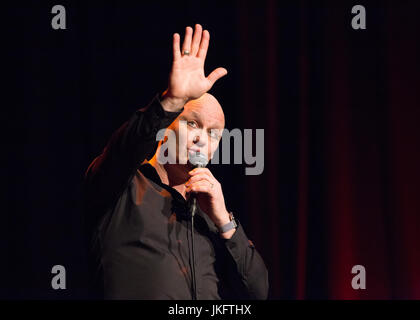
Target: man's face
x,y
197,129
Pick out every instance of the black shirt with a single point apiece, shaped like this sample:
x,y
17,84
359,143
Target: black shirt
x,y
139,229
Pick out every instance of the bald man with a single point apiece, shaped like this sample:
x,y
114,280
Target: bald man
x,y
143,242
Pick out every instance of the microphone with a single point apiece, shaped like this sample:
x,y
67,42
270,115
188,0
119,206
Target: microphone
x,y
198,160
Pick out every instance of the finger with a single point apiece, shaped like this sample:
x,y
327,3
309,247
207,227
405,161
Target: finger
x,y
216,75
199,187
206,171
210,185
199,177
186,45
199,170
196,40
204,45
175,46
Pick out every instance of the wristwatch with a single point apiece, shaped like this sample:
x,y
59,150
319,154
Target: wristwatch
x,y
230,225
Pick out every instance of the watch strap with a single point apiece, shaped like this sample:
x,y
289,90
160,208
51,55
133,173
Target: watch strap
x,y
230,225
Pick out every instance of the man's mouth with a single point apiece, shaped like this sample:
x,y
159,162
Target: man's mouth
x,y
193,151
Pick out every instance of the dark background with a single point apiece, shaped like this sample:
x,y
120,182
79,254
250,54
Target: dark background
x,y
340,109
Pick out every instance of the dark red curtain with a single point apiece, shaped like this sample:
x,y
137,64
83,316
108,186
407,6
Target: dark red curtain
x,y
341,112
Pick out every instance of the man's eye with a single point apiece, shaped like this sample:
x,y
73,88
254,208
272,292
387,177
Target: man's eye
x,y
192,124
214,134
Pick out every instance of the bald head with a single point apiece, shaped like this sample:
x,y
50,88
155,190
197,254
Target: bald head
x,y
209,108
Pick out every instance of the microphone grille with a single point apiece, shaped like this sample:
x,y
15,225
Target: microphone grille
x,y
198,160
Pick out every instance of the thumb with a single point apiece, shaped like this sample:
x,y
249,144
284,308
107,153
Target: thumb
x,y
216,75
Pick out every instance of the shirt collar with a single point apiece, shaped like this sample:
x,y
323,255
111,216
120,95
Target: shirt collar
x,y
180,205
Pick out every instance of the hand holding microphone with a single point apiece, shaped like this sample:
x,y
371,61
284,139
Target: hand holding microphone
x,y
198,160
206,190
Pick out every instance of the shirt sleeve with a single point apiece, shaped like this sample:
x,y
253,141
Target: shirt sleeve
x,y
110,172
245,270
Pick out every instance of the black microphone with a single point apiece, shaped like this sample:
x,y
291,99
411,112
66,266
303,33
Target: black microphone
x,y
198,160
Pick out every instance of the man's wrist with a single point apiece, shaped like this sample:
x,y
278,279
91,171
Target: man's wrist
x,y
225,218
227,225
228,234
172,104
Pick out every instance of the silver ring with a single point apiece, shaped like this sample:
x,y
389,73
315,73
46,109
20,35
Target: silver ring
x,y
211,185
186,52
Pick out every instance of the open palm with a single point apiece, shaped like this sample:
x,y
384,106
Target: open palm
x,y
187,79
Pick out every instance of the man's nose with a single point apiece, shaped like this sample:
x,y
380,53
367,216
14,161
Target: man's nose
x,y
199,139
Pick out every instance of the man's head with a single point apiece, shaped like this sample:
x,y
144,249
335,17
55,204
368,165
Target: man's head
x,y
197,129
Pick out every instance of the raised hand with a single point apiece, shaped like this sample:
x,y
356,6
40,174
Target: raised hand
x,y
187,80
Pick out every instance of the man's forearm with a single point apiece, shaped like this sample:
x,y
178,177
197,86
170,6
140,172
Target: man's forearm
x,y
249,264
